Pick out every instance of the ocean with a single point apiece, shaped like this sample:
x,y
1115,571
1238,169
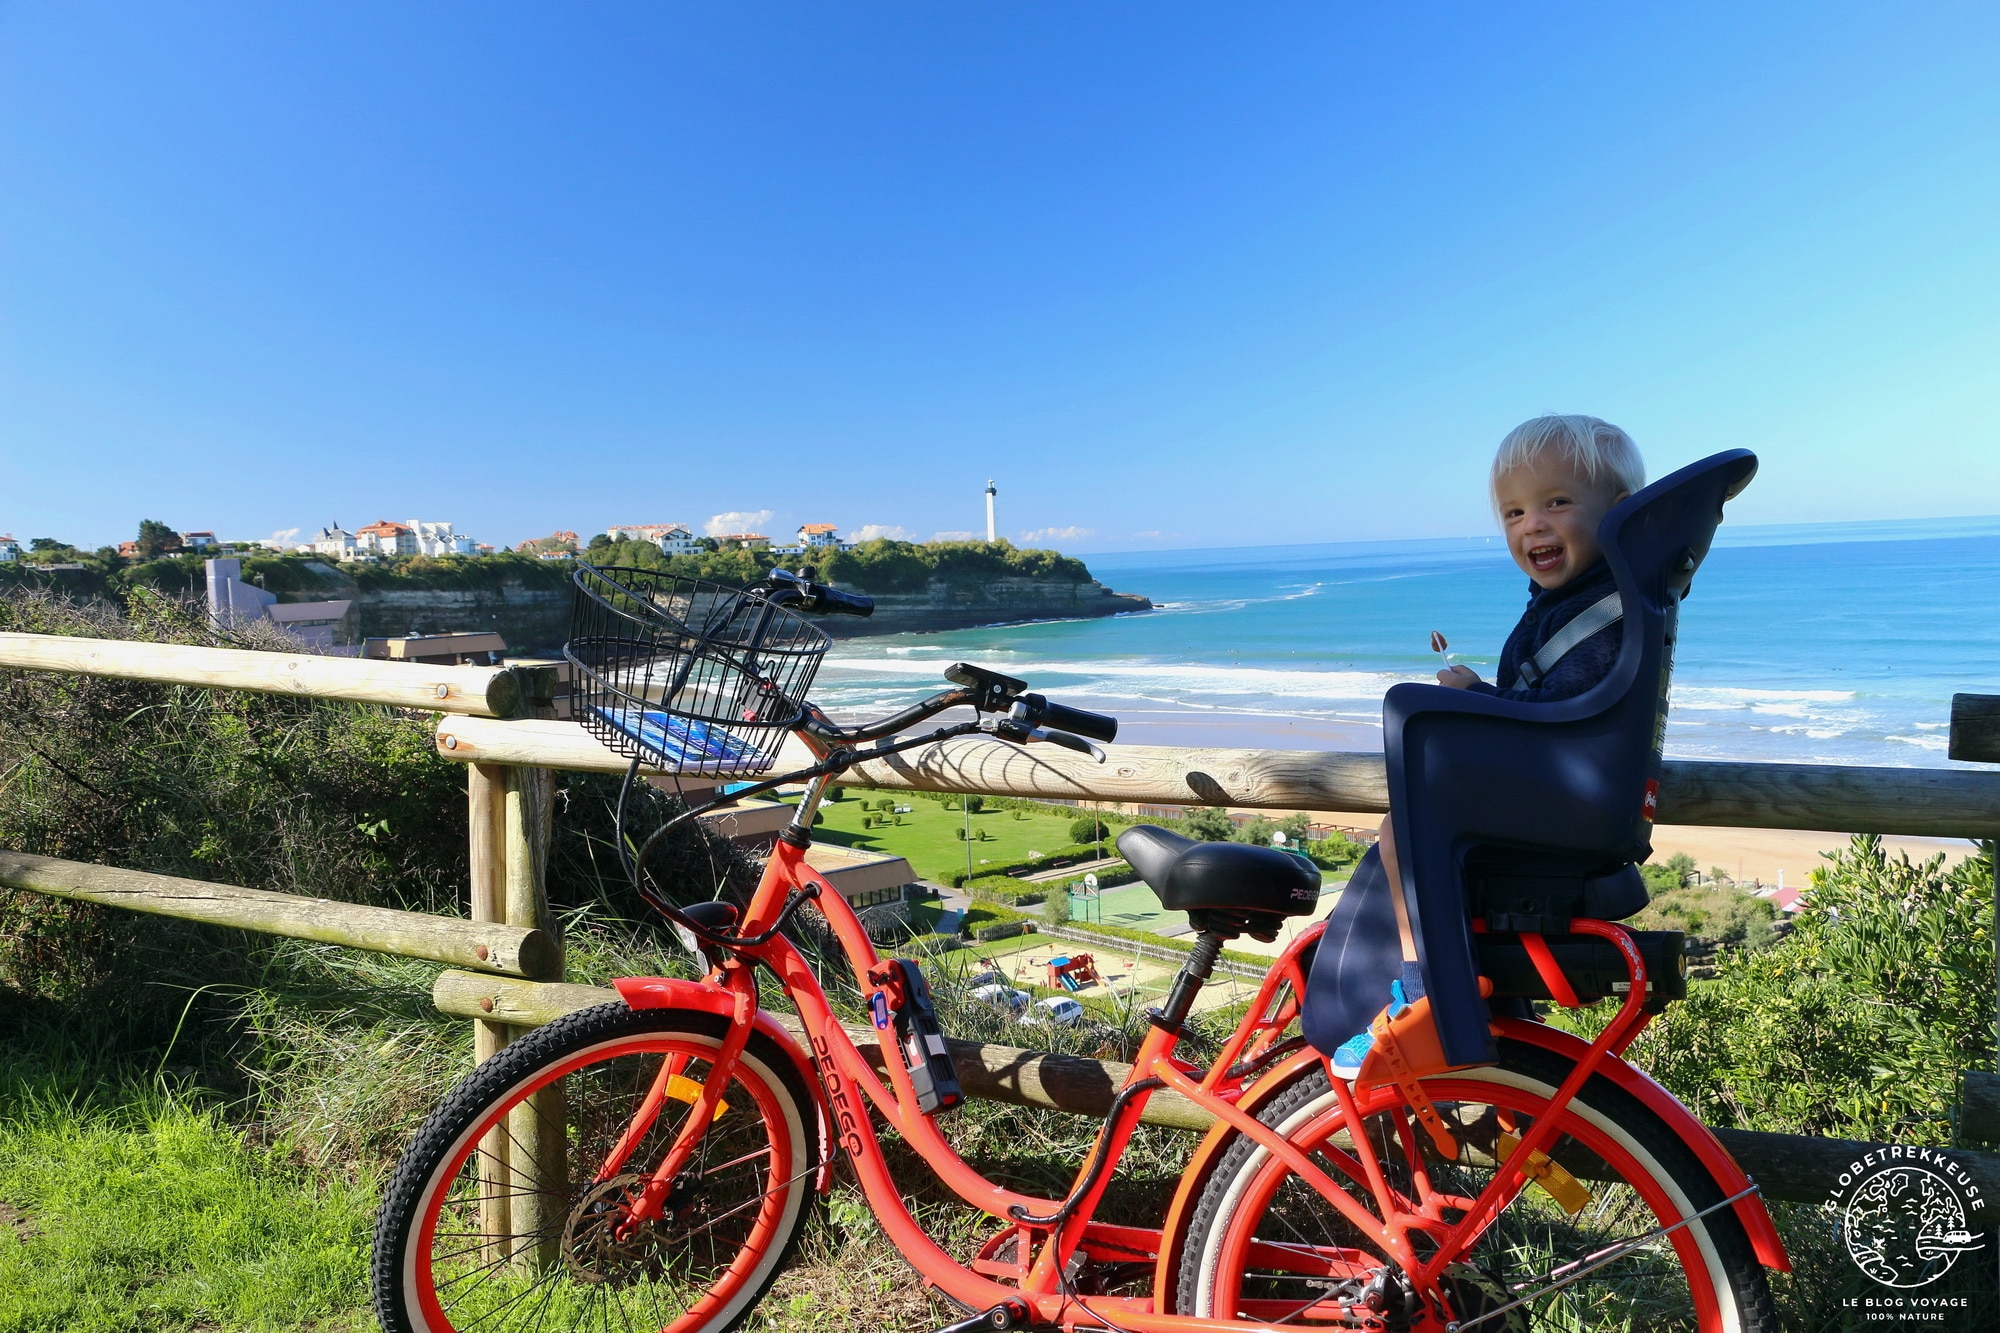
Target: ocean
x,y
1832,643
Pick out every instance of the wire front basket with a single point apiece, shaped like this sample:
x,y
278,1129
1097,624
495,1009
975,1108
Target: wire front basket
x,y
684,675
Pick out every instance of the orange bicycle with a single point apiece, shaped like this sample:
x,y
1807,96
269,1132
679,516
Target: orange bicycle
x,y
1555,1183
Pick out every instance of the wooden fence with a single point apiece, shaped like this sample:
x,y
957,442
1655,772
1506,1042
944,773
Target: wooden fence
x,y
505,964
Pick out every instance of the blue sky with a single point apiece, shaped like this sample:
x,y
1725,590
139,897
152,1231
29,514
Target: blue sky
x,y
1173,276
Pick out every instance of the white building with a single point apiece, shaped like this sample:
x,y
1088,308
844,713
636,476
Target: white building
x,y
198,541
820,535
440,539
386,537
671,538
336,542
10,549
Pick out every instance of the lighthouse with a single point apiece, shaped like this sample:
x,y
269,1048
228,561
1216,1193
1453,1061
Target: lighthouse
x,y
990,493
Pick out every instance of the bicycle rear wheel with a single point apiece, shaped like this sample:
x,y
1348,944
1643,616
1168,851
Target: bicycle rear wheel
x,y
1264,1245
453,1252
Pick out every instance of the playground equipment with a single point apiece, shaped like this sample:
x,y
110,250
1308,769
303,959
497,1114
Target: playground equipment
x,y
1073,974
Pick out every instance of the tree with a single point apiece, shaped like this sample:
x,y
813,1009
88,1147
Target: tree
x,y
1208,824
975,803
1086,828
156,539
49,544
1683,867
1055,908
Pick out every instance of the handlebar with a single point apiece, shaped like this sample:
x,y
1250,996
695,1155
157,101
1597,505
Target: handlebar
x,y
1026,716
801,593
1061,717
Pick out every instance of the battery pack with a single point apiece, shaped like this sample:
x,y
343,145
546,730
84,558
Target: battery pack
x,y
906,997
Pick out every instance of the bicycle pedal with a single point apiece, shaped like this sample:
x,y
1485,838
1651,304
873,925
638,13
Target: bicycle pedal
x,y
1008,1314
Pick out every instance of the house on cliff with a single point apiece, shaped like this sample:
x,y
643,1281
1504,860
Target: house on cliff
x,y
671,538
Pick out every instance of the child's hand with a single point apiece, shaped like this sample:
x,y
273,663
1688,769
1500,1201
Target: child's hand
x,y
1458,677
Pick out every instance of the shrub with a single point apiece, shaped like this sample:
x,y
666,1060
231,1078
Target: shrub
x,y
1857,1024
1055,910
1730,917
1208,824
1047,861
1335,851
974,803
1086,828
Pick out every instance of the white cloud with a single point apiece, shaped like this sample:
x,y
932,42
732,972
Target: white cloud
x,y
869,532
737,520
1057,535
282,537
953,536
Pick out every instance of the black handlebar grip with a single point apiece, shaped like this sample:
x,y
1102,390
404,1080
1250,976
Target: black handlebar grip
x,y
837,603
1096,726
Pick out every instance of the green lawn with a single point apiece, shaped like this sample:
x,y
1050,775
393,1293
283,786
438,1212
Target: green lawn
x,y
928,835
152,1215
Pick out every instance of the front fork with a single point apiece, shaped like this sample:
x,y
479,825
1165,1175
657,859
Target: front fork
x,y
735,975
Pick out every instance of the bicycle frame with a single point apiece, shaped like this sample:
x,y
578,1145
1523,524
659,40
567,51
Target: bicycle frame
x,y
1054,1231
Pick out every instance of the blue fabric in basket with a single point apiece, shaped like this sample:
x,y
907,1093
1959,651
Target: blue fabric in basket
x,y
684,742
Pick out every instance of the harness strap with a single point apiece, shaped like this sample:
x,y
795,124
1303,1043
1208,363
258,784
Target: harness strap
x,y
1606,611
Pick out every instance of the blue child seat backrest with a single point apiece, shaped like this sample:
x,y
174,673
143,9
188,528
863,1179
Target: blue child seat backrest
x,y
1567,787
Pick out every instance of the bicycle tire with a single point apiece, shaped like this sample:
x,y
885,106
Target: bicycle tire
x,y
1236,1203
427,1225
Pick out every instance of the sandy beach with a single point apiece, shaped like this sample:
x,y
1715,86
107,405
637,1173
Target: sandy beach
x,y
1751,856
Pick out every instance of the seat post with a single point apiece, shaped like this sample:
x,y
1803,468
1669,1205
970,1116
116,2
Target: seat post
x,y
1189,980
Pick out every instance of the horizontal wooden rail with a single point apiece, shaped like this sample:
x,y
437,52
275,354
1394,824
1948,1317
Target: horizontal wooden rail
x,y
473,691
1928,801
509,950
1787,1166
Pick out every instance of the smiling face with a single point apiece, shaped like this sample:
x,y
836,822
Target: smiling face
x,y
1550,513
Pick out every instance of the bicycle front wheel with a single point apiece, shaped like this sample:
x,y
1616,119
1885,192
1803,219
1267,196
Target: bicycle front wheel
x,y
512,1207
1264,1245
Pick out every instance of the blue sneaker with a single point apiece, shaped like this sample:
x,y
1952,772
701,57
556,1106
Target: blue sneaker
x,y
1347,1060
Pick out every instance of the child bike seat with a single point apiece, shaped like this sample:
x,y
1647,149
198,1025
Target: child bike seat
x,y
1231,888
1538,811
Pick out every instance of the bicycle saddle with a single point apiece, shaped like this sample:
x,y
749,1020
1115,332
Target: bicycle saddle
x,y
1231,888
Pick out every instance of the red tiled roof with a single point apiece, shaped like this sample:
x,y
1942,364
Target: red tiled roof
x,y
383,528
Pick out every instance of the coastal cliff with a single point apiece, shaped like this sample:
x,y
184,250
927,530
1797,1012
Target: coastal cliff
x,y
534,619
936,586
951,605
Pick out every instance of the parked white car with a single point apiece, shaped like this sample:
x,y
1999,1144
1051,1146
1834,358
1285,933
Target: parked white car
x,y
1002,997
1060,1009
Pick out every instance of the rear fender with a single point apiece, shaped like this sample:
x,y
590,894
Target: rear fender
x,y
673,993
1728,1176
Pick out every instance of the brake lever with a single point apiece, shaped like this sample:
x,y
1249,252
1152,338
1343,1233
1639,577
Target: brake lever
x,y
1010,729
1068,742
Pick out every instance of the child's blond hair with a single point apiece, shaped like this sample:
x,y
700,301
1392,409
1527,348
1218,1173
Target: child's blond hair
x,y
1596,448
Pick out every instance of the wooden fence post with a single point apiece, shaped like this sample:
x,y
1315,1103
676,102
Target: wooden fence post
x,y
485,786
536,1129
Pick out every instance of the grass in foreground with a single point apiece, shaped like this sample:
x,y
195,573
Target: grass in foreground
x,y
152,1214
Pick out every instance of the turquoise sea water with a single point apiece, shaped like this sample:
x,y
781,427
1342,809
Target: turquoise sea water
x,y
1838,643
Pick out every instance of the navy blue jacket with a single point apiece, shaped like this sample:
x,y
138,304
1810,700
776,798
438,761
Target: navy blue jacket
x,y
1549,609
